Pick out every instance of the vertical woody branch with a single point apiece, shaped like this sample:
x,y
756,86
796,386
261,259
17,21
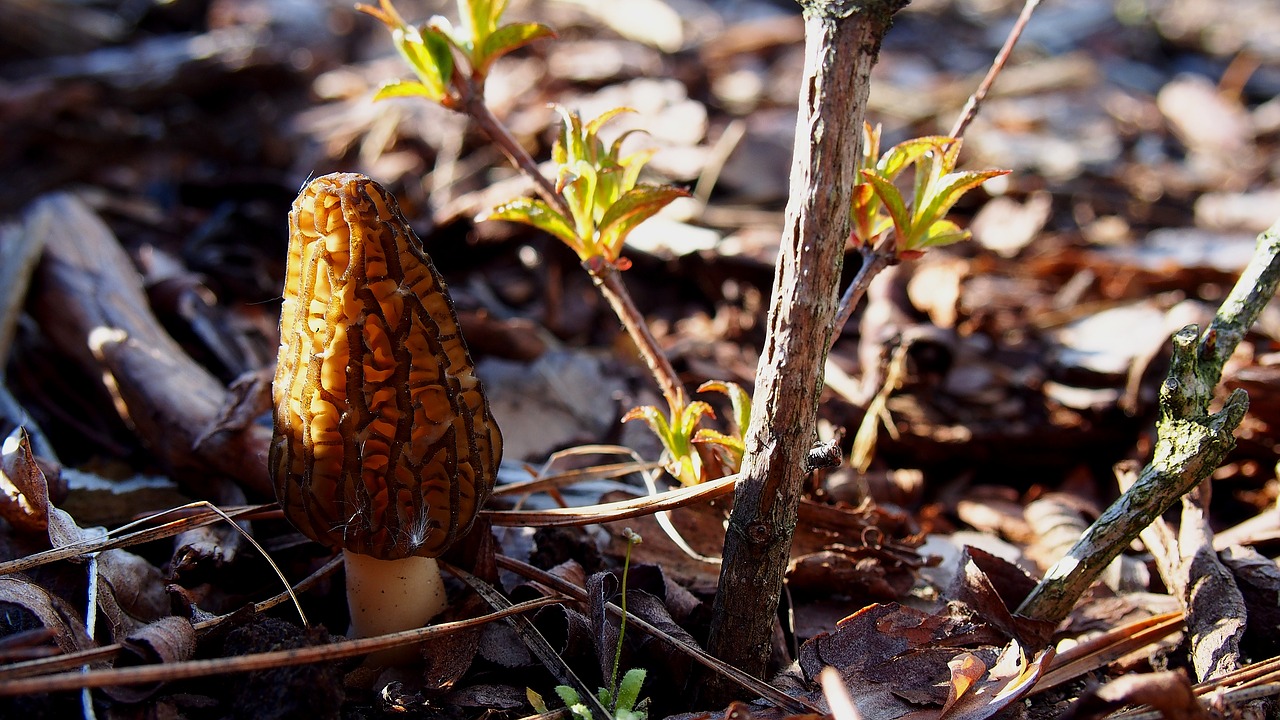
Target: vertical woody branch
x,y
842,40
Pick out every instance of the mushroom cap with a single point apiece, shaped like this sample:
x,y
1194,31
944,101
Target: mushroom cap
x,y
383,442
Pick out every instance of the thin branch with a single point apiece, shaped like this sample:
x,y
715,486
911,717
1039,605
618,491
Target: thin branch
x,y
1190,441
874,260
842,41
341,650
474,106
605,276
614,511
609,281
970,110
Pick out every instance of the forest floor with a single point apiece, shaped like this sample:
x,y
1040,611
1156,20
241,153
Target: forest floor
x,y
158,146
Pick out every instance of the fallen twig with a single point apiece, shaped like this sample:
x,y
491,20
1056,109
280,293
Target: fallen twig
x,y
1191,442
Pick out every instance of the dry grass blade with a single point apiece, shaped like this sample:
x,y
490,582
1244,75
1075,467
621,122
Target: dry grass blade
x,y
169,529
92,656
608,512
265,605
1265,671
549,482
747,682
1108,647
544,481
260,661
536,643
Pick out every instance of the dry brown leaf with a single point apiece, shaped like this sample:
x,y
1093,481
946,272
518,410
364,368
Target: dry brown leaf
x,y
51,611
170,639
24,495
1168,692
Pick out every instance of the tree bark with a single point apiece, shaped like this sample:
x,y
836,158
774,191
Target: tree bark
x,y
842,41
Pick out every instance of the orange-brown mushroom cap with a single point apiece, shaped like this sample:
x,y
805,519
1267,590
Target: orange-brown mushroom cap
x,y
384,444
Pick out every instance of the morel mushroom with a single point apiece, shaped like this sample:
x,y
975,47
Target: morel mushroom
x,y
384,446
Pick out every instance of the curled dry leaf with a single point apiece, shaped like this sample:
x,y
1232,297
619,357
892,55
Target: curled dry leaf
x,y
50,610
169,639
989,587
24,494
130,591
1168,692
1258,578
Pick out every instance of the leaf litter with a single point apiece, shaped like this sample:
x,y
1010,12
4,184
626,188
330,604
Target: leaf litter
x,y
1031,363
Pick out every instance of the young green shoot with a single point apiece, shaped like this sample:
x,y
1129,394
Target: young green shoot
x,y
621,697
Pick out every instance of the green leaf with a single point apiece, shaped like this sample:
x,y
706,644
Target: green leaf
x,y
616,147
540,215
892,200
593,128
605,697
535,700
405,88
608,189
568,695
440,24
634,163
956,185
656,420
709,436
629,689
428,54
578,186
570,146
508,38
687,469
738,398
940,233
632,208
689,419
474,15
574,703
898,157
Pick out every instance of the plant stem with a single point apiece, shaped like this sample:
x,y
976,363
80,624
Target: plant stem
x,y
605,276
874,260
970,110
609,281
1191,442
474,106
842,41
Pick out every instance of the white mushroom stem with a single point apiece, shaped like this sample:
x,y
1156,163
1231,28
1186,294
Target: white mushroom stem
x,y
387,596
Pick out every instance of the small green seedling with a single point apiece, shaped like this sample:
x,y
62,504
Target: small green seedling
x,y
729,448
878,205
622,698
695,454
433,50
600,188
677,432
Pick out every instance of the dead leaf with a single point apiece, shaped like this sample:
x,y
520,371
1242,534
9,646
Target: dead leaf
x,y
170,639
24,494
988,586
1168,692
50,610
1006,226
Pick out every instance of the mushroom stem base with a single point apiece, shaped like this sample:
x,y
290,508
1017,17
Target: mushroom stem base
x,y
386,596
